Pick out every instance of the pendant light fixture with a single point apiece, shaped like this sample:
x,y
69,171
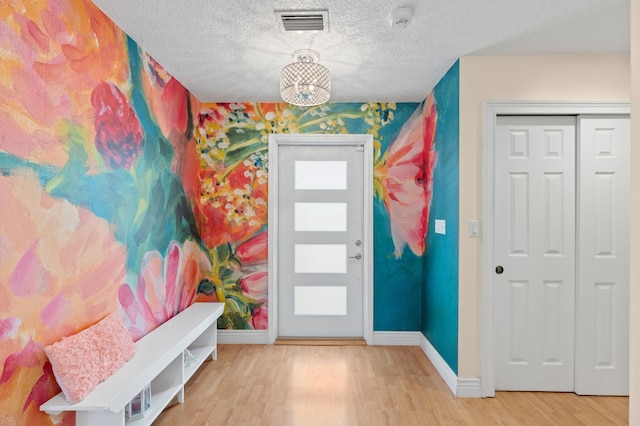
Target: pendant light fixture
x,y
305,82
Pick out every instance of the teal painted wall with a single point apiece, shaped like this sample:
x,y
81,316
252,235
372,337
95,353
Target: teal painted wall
x,y
440,263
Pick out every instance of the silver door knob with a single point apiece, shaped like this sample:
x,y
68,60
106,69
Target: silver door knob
x,y
358,256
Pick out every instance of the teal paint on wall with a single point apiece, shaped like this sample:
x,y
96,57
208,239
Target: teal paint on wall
x,y
396,282
440,264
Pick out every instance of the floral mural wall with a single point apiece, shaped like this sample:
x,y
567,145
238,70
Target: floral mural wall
x,y
122,192
98,172
232,210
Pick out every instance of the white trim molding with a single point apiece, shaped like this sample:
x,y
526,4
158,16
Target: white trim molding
x,y
469,388
447,374
243,337
491,110
396,338
462,388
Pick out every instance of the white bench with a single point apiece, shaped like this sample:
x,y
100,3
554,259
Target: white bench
x,y
159,360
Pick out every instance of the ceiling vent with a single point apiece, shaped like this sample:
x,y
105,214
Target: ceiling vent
x,y
303,20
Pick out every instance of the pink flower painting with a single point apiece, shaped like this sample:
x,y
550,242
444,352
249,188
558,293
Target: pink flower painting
x,y
406,174
118,131
165,287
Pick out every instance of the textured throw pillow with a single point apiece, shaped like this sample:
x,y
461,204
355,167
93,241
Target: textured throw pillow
x,y
82,361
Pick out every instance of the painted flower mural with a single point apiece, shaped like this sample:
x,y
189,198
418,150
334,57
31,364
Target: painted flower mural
x,y
61,266
232,207
165,287
118,132
404,177
123,192
92,160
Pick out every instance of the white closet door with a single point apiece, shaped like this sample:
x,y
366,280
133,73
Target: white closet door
x,y
602,341
534,246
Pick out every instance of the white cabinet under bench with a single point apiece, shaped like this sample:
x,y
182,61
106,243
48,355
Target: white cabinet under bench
x,y
159,361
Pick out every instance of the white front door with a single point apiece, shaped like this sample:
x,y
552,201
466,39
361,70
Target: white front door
x,y
321,239
534,253
602,340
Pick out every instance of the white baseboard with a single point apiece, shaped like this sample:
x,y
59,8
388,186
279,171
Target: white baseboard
x,y
396,338
463,388
469,388
261,337
243,337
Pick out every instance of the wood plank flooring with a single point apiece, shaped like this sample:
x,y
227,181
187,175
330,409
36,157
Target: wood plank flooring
x,y
360,385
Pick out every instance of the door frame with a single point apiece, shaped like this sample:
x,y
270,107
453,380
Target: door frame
x,y
277,140
490,110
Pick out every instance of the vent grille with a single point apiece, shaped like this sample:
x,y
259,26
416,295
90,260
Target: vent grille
x,y
303,20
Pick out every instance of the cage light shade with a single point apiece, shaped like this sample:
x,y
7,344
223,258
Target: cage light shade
x,y
305,83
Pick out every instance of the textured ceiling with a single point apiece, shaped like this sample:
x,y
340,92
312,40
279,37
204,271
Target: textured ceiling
x,y
233,51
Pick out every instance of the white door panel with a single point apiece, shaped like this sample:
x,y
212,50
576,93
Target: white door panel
x,y
602,343
320,240
534,244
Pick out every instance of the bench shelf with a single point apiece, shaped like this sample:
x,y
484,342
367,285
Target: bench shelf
x,y
160,361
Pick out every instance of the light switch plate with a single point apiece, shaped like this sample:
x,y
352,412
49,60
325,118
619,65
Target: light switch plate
x,y
474,228
441,226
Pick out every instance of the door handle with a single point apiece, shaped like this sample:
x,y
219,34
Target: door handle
x,y
358,256
499,269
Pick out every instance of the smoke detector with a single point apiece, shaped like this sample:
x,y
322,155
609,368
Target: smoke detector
x,y
401,17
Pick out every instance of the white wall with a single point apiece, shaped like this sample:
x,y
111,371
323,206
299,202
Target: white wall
x,y
634,370
513,78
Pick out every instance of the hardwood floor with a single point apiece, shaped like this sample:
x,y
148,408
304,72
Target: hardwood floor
x,y
361,385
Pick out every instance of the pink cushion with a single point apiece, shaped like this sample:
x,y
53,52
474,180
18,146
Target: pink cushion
x,y
82,361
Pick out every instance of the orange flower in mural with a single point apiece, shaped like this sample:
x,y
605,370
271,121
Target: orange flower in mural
x,y
118,131
406,176
165,287
233,207
59,50
52,253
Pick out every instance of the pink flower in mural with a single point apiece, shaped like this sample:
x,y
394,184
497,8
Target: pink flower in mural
x,y
29,357
165,287
253,250
260,320
406,175
9,327
118,131
53,55
255,286
52,252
